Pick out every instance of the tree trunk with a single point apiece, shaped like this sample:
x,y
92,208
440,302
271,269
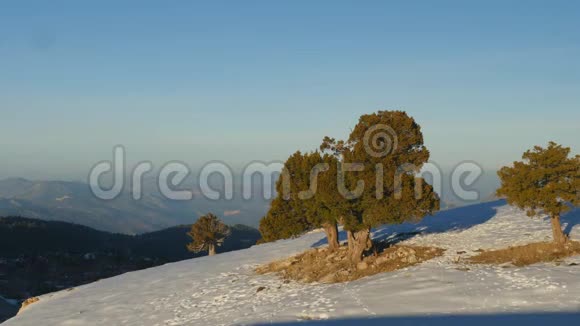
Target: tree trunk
x,y
211,250
360,244
559,236
350,239
370,244
331,230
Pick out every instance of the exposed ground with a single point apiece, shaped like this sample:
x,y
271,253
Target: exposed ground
x,y
324,266
27,303
528,254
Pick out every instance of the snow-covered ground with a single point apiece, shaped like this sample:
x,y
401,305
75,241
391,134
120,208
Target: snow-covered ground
x,y
223,290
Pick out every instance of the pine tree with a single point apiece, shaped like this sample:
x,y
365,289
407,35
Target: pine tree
x,y
310,177
387,147
306,199
400,195
283,222
207,233
543,183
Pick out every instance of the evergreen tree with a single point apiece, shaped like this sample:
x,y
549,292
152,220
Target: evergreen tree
x,y
311,185
207,233
283,222
305,199
387,151
309,196
543,183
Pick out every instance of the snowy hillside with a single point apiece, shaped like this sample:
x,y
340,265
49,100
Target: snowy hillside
x,y
224,290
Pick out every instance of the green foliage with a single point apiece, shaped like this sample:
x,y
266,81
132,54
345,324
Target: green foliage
x,y
312,187
310,194
207,233
283,222
307,197
401,194
543,182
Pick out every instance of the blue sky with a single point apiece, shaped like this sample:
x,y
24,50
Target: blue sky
x,y
240,81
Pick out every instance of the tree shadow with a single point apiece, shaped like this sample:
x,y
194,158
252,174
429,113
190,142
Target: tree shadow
x,y
456,219
571,219
528,319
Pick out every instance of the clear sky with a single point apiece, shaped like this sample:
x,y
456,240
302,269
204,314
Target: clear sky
x,y
243,80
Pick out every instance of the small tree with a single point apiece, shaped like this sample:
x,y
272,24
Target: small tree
x,y
543,183
207,234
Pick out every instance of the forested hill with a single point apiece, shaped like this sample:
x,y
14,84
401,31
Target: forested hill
x,y
24,236
38,256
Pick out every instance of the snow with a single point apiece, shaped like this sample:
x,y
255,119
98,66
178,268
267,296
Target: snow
x,y
224,290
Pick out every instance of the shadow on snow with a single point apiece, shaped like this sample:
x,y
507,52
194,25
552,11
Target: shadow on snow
x,y
457,219
528,319
570,220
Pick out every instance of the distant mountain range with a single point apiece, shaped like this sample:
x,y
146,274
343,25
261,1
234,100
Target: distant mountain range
x,y
74,202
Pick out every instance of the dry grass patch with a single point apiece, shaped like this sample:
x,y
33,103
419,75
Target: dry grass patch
x,y
27,303
528,254
324,266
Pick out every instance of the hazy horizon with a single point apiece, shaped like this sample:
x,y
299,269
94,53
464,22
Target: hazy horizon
x,y
256,81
